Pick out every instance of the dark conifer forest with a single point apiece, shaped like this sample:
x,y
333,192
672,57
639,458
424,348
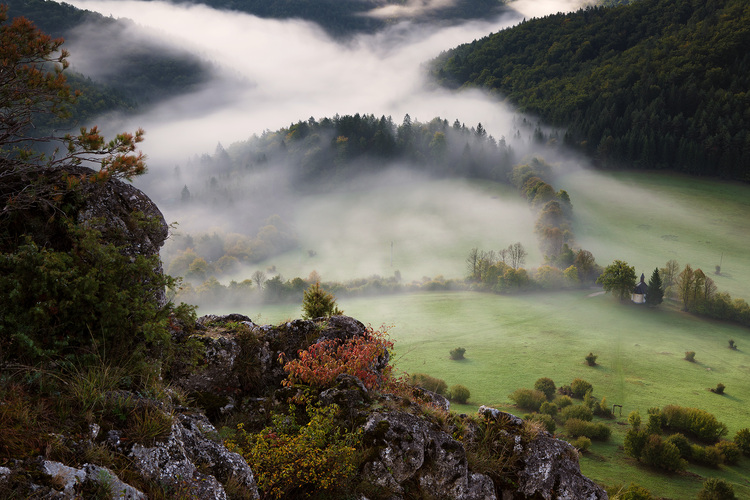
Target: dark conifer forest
x,y
655,84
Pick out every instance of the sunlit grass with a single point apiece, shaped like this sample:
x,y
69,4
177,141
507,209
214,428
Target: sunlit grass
x,y
510,342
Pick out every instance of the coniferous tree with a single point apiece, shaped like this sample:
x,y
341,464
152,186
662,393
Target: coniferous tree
x,y
318,303
655,294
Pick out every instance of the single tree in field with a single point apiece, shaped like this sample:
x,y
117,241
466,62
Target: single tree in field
x,y
618,278
655,294
668,275
318,303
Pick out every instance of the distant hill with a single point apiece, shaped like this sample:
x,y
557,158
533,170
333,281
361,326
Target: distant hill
x,y
654,84
146,70
341,18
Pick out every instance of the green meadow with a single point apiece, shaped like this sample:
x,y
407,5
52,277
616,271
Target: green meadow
x,y
511,341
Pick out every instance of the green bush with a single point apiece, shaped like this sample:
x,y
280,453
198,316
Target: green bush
x,y
634,442
546,420
457,353
563,401
693,421
428,382
729,451
742,438
690,356
683,444
547,386
719,388
716,489
580,412
317,303
602,409
594,430
459,394
634,419
528,399
97,299
591,359
710,456
582,443
548,409
580,387
658,453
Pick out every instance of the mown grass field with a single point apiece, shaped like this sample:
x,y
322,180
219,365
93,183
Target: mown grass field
x,y
510,342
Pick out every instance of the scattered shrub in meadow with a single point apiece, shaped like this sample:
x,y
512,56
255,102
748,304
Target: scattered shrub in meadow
x,y
710,456
742,439
582,443
602,409
528,399
594,430
634,442
459,394
693,421
683,444
565,390
580,387
634,419
591,359
563,401
457,353
548,409
716,489
730,452
732,345
547,386
580,412
658,453
690,356
719,388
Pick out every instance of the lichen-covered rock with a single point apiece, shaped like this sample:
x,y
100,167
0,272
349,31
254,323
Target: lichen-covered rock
x,y
242,358
411,451
185,457
71,481
551,472
110,207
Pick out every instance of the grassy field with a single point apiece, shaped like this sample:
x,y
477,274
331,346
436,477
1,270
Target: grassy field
x,y
649,218
512,341
644,219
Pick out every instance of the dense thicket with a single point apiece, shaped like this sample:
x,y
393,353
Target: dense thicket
x,y
656,83
346,18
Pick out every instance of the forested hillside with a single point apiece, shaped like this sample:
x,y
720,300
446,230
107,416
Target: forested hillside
x,y
653,84
326,151
342,18
147,71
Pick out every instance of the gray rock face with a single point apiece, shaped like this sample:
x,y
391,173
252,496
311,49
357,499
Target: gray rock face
x,y
246,362
551,471
412,451
71,479
549,467
110,208
177,461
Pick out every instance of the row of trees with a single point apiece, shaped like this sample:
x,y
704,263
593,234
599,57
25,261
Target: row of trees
x,y
655,83
502,272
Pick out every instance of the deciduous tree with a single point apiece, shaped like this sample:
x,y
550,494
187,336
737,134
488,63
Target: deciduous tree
x,y
618,278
